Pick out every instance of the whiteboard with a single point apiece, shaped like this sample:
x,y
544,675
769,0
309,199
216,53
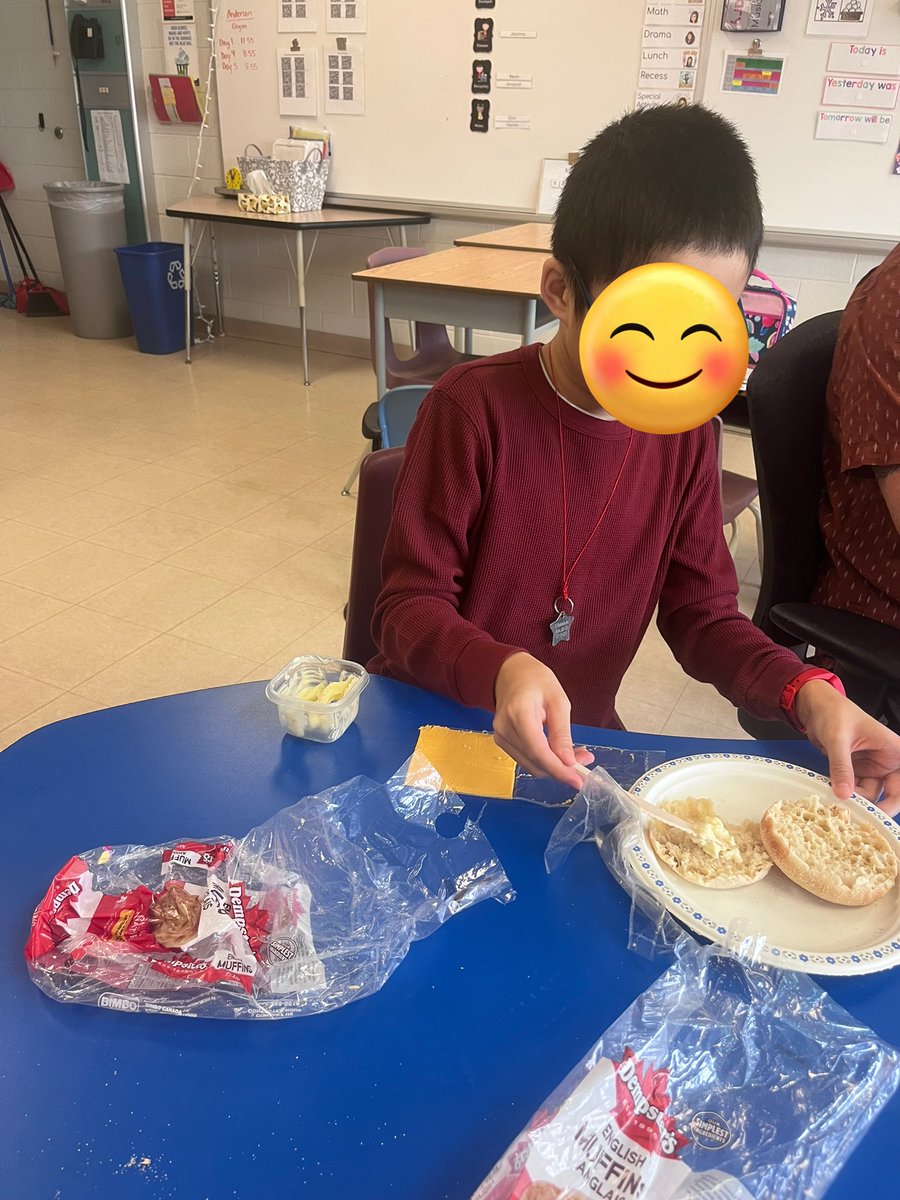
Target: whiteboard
x,y
414,142
808,184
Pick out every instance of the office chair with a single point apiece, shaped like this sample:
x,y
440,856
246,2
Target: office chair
x,y
787,419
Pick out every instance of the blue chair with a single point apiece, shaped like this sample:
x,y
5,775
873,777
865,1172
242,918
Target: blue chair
x,y
397,410
388,422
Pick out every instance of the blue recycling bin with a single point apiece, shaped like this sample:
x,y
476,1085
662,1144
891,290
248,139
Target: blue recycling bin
x,y
153,277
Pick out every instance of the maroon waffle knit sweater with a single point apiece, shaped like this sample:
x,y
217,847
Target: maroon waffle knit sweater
x,y
473,560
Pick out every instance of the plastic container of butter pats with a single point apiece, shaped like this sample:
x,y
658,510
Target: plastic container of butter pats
x,y
314,719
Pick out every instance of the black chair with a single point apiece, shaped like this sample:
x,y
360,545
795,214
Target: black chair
x,y
786,396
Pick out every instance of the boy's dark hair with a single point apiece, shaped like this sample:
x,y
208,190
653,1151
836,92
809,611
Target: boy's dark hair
x,y
657,180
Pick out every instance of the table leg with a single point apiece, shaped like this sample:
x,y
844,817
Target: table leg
x,y
380,345
467,339
187,288
528,333
301,298
412,324
217,283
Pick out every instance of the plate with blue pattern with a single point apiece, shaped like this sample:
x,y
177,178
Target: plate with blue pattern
x,y
801,931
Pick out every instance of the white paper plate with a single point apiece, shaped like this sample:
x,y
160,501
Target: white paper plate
x,y
802,932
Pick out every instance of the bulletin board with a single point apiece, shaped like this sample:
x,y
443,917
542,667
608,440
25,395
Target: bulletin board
x,y
570,68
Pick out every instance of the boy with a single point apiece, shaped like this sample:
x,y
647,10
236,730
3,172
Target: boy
x,y
521,501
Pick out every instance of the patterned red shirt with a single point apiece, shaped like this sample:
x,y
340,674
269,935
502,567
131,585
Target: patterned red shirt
x,y
862,435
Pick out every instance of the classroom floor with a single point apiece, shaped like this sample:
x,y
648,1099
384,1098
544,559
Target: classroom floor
x,y
165,527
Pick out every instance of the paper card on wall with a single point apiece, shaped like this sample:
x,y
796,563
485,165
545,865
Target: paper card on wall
x,y
747,75
509,122
554,173
109,144
669,60
181,49
298,95
873,58
861,91
684,80
853,126
673,14
672,37
831,18
345,80
653,98
518,33
177,10
296,16
345,16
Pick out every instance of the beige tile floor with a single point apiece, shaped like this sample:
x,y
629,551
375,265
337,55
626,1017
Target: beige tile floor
x,y
165,527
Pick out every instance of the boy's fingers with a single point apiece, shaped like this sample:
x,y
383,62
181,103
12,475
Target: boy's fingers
x,y
526,743
559,733
870,787
584,756
840,768
890,801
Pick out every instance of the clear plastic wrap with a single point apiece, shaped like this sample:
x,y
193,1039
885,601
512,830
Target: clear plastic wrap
x,y
602,813
723,1081
307,912
624,766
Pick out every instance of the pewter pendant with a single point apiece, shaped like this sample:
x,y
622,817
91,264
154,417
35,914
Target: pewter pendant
x,y
560,627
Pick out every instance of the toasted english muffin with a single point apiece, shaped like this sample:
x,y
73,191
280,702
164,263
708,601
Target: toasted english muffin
x,y
718,856
826,851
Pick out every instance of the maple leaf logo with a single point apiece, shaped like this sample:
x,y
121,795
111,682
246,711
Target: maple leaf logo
x,y
642,1102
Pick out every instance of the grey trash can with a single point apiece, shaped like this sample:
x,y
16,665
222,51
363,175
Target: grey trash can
x,y
89,223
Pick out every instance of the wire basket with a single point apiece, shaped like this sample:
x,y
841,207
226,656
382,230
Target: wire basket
x,y
302,182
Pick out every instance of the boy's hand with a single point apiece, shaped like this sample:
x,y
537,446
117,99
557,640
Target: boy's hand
x,y
863,755
528,696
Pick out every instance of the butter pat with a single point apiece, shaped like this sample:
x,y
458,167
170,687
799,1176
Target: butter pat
x,y
326,693
710,831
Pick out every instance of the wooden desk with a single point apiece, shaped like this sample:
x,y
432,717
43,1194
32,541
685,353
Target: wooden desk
x,y
533,236
219,209
469,286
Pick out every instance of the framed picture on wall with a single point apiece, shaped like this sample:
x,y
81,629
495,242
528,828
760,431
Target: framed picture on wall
x,y
752,16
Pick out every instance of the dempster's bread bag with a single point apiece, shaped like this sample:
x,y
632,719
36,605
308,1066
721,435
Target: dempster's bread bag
x,y
723,1081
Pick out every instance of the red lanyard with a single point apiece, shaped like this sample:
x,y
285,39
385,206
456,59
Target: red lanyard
x,y
564,606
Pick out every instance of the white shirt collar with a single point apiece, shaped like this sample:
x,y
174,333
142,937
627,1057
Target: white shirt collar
x,y
600,414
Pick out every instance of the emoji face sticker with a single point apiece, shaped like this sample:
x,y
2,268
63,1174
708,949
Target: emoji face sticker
x,y
664,348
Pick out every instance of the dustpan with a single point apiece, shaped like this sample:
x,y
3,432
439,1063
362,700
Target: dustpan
x,y
33,298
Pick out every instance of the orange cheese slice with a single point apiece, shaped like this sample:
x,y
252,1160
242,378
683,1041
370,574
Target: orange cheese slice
x,y
471,764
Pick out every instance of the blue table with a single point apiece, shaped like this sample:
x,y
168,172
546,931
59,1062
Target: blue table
x,y
411,1094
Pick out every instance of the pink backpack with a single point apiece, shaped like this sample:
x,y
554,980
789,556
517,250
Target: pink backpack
x,y
768,311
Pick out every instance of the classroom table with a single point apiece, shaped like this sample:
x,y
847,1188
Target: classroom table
x,y
468,286
214,210
534,236
411,1094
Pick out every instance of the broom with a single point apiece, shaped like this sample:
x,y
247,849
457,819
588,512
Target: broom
x,y
9,299
32,297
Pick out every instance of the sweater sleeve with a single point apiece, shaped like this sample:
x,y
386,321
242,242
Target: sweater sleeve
x,y
698,613
417,625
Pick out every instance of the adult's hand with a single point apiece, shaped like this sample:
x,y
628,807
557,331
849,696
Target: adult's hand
x,y
529,698
863,755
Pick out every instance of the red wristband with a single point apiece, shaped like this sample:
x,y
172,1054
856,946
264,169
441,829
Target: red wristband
x,y
789,695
